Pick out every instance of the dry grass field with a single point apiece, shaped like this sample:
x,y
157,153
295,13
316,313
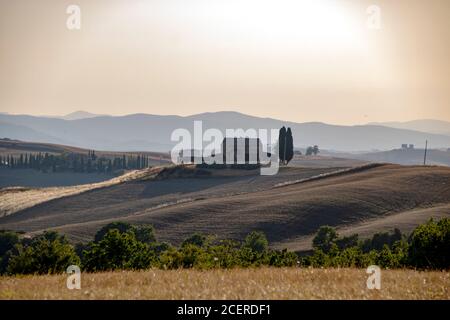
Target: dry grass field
x,y
261,283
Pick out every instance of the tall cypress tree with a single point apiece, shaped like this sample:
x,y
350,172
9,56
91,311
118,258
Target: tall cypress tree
x,y
281,144
138,162
289,145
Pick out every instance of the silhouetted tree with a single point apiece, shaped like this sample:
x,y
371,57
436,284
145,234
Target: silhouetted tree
x,y
289,145
282,144
316,150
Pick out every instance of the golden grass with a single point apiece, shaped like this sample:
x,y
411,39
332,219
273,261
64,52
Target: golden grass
x,y
261,283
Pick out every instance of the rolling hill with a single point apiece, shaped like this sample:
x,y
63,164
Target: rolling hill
x,y
288,207
399,156
25,177
17,147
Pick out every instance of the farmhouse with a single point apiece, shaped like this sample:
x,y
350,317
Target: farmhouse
x,y
233,151
241,150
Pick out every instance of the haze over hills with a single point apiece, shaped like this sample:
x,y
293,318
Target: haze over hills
x,y
152,132
424,125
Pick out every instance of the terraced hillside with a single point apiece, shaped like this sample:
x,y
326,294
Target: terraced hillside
x,y
288,207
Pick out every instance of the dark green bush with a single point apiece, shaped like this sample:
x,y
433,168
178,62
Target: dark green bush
x,y
117,250
7,241
330,250
325,238
46,253
379,240
123,246
256,241
197,239
145,233
117,225
430,245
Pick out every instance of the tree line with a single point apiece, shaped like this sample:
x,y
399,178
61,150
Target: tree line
x,y
121,246
74,162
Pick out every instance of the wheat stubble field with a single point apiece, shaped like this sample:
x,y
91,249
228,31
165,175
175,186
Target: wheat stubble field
x,y
261,283
288,207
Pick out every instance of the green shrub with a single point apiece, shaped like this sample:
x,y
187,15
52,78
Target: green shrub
x,y
47,253
195,256
145,233
282,258
317,259
120,246
225,255
246,257
197,239
7,241
347,242
122,227
118,250
378,240
324,239
351,257
430,245
256,241
171,259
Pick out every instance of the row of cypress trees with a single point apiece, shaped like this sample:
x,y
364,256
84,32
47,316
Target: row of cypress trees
x,y
74,162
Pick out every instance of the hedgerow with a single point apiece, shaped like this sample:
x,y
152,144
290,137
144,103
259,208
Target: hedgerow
x,y
121,246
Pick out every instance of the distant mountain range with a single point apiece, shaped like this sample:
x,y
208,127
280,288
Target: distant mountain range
x,y
78,115
145,132
424,125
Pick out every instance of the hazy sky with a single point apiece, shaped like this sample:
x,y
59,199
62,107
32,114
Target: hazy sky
x,y
296,60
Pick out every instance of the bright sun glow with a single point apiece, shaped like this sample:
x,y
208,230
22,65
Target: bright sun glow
x,y
312,24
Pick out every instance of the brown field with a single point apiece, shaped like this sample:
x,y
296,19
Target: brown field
x,y
15,199
289,207
262,283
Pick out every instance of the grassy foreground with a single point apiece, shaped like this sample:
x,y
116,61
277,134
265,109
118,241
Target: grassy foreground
x,y
261,283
